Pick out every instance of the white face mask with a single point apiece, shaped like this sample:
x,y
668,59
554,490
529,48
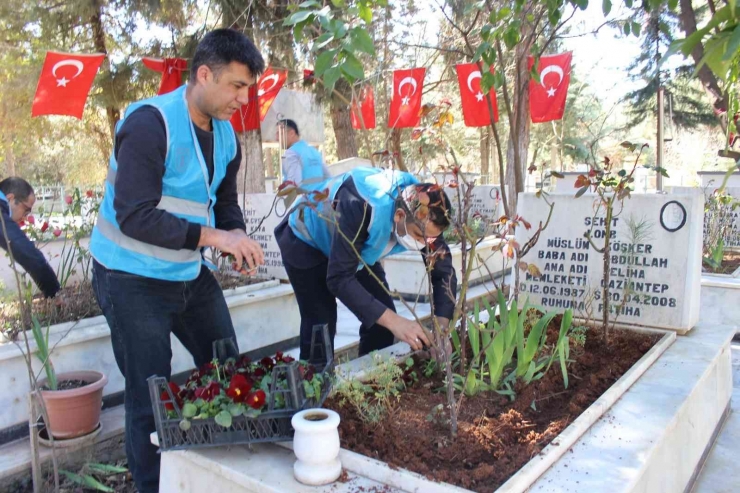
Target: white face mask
x,y
408,242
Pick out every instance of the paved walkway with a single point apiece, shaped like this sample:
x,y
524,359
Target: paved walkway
x,y
721,473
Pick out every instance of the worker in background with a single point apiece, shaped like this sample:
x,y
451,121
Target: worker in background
x,y
302,164
16,202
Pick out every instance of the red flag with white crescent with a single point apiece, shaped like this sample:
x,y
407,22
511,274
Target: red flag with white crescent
x,y
547,98
364,106
268,88
405,108
474,102
171,69
248,117
64,83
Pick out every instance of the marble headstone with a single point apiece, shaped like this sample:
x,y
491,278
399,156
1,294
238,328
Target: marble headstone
x,y
485,200
655,273
262,219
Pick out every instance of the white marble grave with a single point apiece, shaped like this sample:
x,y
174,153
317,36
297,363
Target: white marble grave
x,y
655,279
263,212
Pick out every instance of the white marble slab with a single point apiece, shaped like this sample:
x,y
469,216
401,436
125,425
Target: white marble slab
x,y
262,213
662,269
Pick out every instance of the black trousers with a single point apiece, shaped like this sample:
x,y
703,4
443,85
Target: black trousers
x,y
318,306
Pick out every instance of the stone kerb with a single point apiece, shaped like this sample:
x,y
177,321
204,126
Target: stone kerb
x,y
655,277
262,214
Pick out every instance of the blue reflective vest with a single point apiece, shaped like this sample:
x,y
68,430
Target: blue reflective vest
x,y
378,187
312,164
186,193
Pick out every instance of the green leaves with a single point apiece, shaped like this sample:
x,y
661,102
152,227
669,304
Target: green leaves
x,y
606,7
224,419
361,40
189,410
87,481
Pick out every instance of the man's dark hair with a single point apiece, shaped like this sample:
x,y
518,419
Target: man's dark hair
x,y
439,206
290,124
220,47
19,187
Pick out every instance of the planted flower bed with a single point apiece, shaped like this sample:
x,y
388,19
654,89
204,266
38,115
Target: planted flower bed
x,y
500,430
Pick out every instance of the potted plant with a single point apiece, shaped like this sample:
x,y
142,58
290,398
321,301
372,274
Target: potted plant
x,y
73,399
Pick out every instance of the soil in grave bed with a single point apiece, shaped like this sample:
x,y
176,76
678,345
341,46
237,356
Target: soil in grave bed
x,y
496,436
730,263
77,302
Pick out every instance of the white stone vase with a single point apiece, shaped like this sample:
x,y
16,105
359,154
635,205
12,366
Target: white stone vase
x,y
316,445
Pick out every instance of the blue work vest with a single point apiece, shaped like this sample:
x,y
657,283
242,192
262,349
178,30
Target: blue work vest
x,y
378,187
186,193
312,164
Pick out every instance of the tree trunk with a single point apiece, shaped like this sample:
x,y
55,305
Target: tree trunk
x,y
251,177
485,155
113,113
396,149
343,131
516,149
707,78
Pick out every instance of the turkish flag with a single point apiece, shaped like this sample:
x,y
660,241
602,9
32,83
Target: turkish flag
x,y
474,104
547,98
406,100
248,117
365,107
64,83
171,68
268,88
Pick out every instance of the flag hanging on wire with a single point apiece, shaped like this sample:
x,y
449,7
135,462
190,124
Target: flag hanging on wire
x,y
547,97
268,88
171,69
474,102
405,110
64,83
363,109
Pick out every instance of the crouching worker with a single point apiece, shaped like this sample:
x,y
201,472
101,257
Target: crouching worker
x,y
333,248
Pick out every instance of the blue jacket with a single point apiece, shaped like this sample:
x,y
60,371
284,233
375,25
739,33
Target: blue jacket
x,y
378,187
312,164
186,193
26,254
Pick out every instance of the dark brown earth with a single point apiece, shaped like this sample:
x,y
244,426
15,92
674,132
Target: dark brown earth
x,y
496,436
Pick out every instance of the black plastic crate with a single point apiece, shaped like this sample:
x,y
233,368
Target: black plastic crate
x,y
272,425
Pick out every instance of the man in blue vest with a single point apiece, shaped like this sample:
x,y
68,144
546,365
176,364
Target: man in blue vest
x,y
302,164
170,192
373,213
16,202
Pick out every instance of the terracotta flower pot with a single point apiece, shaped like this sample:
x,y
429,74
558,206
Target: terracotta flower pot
x,y
75,412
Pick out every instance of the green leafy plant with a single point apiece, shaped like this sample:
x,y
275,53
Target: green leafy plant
x,y
612,186
504,353
92,474
716,256
377,392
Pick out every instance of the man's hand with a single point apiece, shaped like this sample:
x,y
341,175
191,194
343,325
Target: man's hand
x,y
237,243
408,331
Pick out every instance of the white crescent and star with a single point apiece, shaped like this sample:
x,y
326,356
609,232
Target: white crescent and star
x,y
554,69
475,75
274,78
62,82
407,80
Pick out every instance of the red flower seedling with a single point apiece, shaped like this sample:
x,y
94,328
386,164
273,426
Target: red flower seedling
x,y
57,233
267,363
256,399
68,199
209,392
175,389
31,220
239,388
89,194
44,227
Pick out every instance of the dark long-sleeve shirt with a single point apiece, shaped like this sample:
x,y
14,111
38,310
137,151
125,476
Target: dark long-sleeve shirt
x,y
27,255
354,220
140,150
